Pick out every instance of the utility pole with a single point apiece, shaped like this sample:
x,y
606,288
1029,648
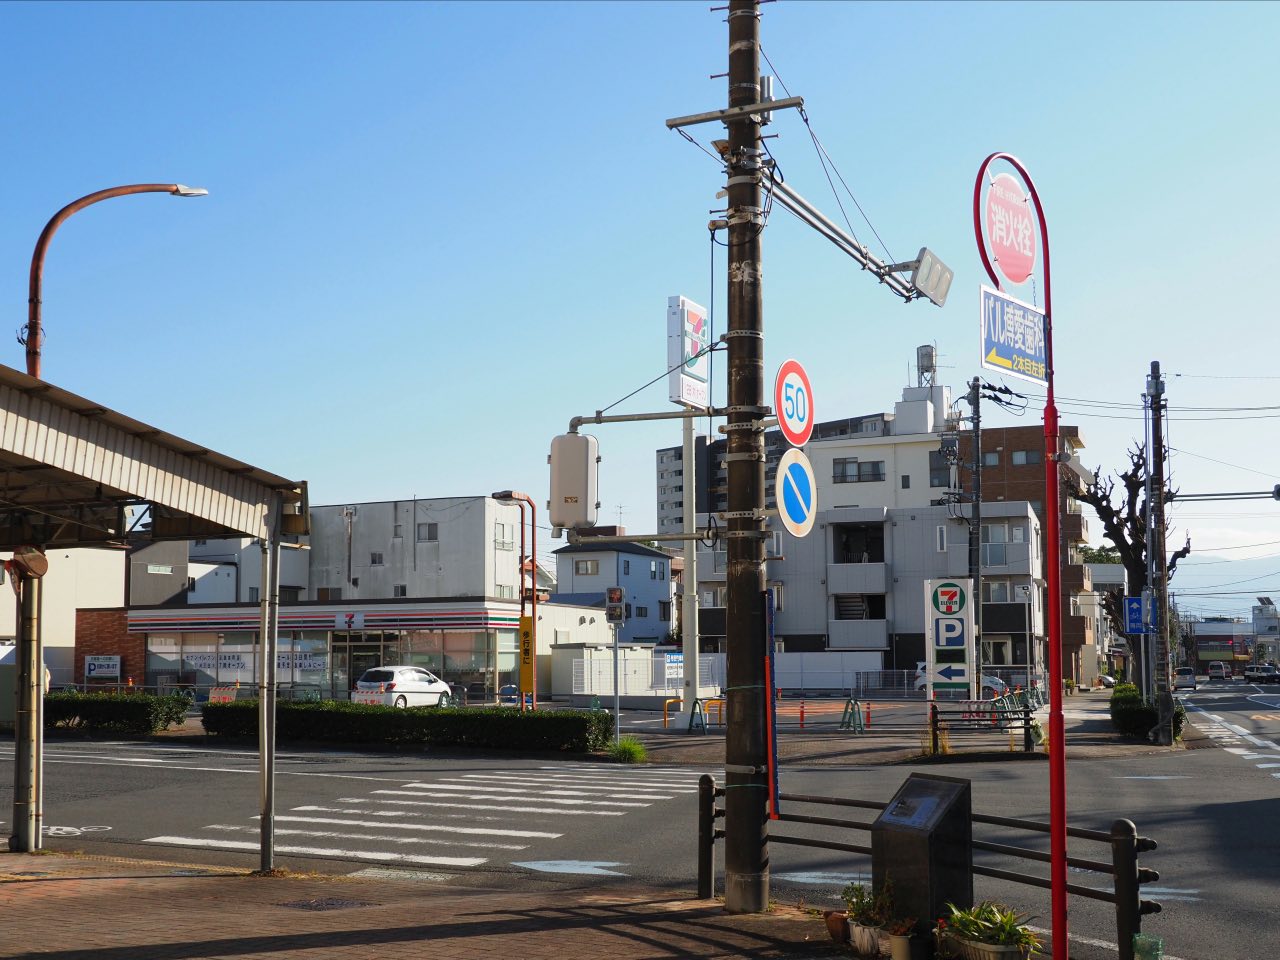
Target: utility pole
x,y
746,857
975,532
1159,661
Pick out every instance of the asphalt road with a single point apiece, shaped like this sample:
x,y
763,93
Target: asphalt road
x,y
481,821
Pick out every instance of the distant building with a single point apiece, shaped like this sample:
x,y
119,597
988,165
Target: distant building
x,y
585,570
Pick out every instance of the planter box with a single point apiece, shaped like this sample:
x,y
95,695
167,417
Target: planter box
x,y
951,946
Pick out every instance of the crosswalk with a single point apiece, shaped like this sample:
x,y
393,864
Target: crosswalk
x,y
455,821
1264,754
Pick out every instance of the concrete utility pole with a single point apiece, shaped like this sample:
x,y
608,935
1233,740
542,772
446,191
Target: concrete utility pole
x,y
1159,662
975,531
746,857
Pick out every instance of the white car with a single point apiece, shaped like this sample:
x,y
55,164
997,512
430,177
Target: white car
x,y
991,686
402,687
1184,678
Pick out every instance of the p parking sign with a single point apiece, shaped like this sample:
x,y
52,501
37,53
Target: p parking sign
x,y
949,633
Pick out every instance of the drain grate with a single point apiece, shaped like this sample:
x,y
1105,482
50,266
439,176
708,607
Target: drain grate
x,y
326,903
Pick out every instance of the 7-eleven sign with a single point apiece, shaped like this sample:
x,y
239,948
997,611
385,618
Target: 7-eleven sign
x,y
949,598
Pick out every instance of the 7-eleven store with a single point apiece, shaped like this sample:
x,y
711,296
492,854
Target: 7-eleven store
x,y
323,648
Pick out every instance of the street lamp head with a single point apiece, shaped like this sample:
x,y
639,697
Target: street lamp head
x,y
182,190
502,495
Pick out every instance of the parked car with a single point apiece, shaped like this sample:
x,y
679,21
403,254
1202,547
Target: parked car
x,y
1184,678
991,686
509,694
1261,673
1107,680
402,687
1218,670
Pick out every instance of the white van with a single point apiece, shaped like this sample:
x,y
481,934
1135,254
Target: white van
x,y
1218,670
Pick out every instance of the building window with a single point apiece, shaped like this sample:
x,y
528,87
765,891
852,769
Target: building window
x,y
201,543
906,482
397,530
642,613
939,469
1023,458
586,568
941,538
428,532
504,591
504,535
626,567
995,591
850,470
664,611
253,594
991,458
656,571
290,594
328,594
191,584
400,590
375,559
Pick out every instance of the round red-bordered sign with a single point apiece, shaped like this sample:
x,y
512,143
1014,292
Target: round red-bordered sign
x,y
793,403
1011,231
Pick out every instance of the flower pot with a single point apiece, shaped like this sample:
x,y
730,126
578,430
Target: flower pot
x,y
837,925
899,947
865,940
973,950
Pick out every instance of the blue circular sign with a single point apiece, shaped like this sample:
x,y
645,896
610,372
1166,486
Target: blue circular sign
x,y
796,493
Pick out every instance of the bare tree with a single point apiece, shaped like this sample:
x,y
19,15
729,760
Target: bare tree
x,y
1122,511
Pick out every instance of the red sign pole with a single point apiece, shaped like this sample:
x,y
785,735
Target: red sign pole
x,y
1057,744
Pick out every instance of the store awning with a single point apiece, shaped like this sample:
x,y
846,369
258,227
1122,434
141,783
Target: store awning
x,y
74,473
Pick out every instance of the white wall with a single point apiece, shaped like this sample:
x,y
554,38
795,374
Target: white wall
x,y
80,577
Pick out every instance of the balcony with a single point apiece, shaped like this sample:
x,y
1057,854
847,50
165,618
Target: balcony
x,y
1077,631
858,634
1074,528
1006,559
856,578
1076,579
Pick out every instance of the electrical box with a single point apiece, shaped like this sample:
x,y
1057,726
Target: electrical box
x,y
575,486
922,843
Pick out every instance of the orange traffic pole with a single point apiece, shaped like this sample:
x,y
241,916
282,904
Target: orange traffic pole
x,y
868,724
801,714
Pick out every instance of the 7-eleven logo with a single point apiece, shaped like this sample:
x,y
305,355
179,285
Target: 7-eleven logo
x,y
948,598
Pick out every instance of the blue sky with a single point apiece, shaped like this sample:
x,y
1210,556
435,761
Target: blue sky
x,y
435,232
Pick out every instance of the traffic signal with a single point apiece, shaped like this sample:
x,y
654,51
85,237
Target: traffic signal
x,y
614,608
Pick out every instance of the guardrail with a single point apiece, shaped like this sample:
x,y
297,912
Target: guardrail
x,y
1125,844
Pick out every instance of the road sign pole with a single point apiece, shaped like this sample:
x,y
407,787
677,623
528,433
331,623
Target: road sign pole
x,y
617,691
1053,553
746,857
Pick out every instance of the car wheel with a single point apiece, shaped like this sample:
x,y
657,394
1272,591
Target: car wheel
x,y
446,700
400,703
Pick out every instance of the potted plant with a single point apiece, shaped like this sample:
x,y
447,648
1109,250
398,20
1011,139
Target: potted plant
x,y
868,910
899,932
987,931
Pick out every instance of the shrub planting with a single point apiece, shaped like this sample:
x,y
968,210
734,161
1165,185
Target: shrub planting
x,y
116,713
1134,718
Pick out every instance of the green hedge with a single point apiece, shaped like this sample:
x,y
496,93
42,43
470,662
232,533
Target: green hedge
x,y
1133,718
340,721
119,713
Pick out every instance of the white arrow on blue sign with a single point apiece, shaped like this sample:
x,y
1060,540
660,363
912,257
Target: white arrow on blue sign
x,y
1133,615
796,493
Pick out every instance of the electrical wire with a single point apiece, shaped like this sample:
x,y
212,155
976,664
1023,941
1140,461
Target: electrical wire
x,y
707,349
1223,463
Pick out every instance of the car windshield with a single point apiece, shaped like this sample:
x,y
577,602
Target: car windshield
x,y
1184,671
378,676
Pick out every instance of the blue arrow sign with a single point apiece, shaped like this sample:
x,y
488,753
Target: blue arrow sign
x,y
1133,615
952,672
1013,340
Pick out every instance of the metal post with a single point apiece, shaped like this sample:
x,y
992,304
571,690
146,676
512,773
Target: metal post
x,y
1160,583
689,605
746,837
706,837
975,533
30,682
1028,744
37,636
933,726
1124,863
269,616
617,696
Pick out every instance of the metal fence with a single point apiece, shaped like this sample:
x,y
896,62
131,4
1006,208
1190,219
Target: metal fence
x,y
642,676
1122,868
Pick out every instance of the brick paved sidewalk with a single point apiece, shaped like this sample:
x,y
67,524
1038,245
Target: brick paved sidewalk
x,y
79,908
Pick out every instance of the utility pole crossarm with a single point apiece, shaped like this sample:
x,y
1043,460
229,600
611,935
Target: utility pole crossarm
x,y
735,113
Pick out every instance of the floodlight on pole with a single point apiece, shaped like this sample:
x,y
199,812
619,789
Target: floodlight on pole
x,y
34,335
930,277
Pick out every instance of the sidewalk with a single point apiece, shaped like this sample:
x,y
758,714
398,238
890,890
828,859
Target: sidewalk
x,y
79,908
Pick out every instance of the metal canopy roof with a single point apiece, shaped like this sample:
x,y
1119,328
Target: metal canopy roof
x,y
73,473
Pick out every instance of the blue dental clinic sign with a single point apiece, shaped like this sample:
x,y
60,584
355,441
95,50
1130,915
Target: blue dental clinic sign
x,y
1013,340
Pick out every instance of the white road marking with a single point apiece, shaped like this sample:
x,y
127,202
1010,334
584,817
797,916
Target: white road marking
x,y
337,835
435,828
403,803
1267,766
250,771
447,783
374,855
1089,941
578,867
482,806
582,781
565,801
382,873
1167,777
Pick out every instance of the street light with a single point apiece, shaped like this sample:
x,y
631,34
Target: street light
x,y
520,499
33,334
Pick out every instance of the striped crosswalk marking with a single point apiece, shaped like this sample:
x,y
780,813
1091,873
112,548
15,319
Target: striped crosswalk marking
x,y
424,790
373,855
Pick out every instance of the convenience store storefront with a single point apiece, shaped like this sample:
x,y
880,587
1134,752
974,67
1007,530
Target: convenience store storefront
x,y
323,650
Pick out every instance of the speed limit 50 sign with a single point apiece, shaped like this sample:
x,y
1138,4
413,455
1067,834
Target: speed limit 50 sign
x,y
793,403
